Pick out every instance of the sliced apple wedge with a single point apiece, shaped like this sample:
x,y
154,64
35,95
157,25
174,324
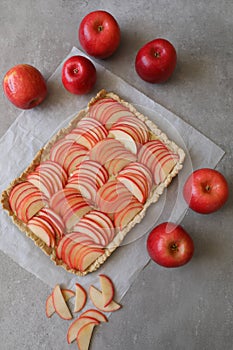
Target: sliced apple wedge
x,y
80,297
98,301
49,307
126,139
60,305
88,257
94,314
43,230
77,324
107,288
84,336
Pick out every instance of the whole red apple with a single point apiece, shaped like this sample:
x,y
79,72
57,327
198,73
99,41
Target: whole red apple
x,y
206,190
78,75
170,245
24,86
99,34
156,61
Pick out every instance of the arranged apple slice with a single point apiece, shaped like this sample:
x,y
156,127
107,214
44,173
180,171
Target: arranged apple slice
x,y
112,154
77,324
60,149
75,212
84,336
108,111
43,230
80,297
158,158
30,205
19,192
76,154
113,196
60,199
60,305
96,314
97,226
88,132
125,138
75,254
126,214
136,184
107,288
132,126
98,301
49,177
54,220
49,307
88,177
88,257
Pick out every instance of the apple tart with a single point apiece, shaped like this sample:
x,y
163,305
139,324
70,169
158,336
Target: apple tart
x,y
92,183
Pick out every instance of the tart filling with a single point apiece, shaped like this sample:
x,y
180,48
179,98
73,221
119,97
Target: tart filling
x,y
89,186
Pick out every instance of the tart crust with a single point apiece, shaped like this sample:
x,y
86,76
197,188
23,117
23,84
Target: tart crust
x,y
43,155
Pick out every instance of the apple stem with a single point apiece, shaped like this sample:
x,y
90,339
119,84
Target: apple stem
x,y
100,28
174,247
207,188
75,70
157,54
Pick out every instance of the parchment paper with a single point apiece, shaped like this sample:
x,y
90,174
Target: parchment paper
x,y
33,128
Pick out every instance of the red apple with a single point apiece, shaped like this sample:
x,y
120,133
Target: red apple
x,y
156,61
99,34
206,190
24,86
78,75
170,245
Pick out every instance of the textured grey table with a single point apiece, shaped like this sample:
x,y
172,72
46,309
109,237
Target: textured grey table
x,y
190,308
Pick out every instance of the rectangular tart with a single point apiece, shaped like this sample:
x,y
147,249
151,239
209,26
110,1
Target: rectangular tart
x,y
92,183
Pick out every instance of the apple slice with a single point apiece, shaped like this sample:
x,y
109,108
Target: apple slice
x,y
126,214
80,297
77,324
49,307
60,149
98,301
19,192
84,336
43,230
60,305
88,257
30,206
96,314
126,139
113,196
54,220
107,288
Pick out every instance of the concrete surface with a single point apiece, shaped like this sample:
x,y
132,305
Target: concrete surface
x,y
184,309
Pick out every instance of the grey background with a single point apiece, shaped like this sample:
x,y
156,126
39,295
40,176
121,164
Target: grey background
x,y
165,309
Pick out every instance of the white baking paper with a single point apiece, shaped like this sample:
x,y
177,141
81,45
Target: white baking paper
x,y
33,128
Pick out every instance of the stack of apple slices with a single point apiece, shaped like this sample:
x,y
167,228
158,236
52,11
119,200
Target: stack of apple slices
x,y
112,154
158,158
49,177
87,178
87,240
48,226
117,201
70,205
26,200
107,111
138,179
81,329
68,154
88,132
131,131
